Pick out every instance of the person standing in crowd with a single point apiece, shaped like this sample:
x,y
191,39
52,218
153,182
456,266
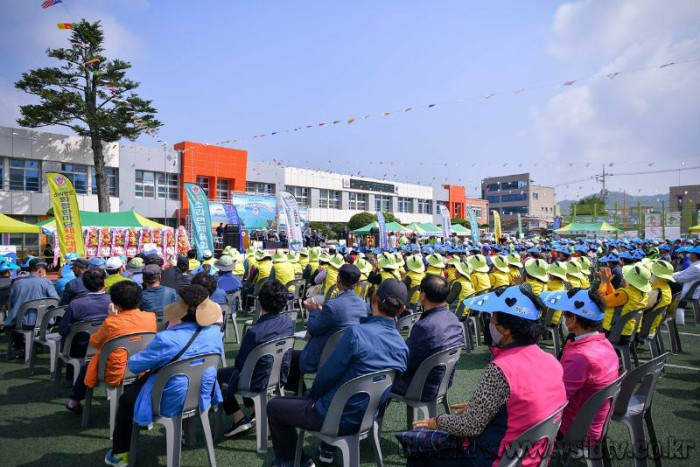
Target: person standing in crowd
x,y
436,330
115,269
75,288
192,335
271,325
155,295
392,240
374,345
124,317
588,359
33,287
507,401
220,230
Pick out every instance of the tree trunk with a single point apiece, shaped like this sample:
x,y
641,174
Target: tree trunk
x,y
100,176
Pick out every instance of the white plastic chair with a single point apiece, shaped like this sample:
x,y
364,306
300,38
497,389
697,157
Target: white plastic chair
x,y
46,339
81,327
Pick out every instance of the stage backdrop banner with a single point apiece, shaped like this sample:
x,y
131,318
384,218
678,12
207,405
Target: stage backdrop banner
x,y
65,209
446,222
201,219
255,211
383,239
296,240
224,212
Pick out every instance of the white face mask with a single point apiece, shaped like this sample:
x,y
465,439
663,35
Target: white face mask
x,y
496,335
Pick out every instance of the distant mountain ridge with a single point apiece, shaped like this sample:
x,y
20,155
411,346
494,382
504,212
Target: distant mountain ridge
x,y
632,200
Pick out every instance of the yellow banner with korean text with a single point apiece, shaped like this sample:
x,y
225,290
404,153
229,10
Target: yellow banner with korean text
x,y
69,229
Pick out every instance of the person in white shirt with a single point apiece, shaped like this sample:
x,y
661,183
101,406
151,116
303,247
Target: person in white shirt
x,y
690,275
392,240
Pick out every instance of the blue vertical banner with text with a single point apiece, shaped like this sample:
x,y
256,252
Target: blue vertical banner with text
x,y
383,240
201,218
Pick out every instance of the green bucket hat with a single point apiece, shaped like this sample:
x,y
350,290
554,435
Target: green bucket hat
x,y
280,256
663,270
293,257
514,260
323,257
387,262
415,263
251,251
224,263
453,261
537,268
336,260
398,259
464,269
500,263
436,260
364,266
304,251
558,269
314,254
573,269
582,265
478,263
638,277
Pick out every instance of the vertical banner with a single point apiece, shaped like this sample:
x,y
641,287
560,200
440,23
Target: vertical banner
x,y
520,226
201,218
446,222
65,209
294,234
474,224
497,233
383,239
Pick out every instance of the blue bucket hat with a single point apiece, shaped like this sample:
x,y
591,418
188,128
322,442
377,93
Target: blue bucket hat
x,y
563,250
576,301
665,247
603,260
8,265
534,250
638,254
626,255
510,300
96,262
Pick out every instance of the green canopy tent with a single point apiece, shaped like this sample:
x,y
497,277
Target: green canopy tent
x,y
9,225
105,219
416,227
461,230
588,227
390,227
423,230
431,229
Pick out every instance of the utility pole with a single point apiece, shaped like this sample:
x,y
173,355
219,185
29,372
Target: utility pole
x,y
601,178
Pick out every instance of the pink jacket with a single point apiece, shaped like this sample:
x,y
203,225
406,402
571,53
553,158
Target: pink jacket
x,y
589,365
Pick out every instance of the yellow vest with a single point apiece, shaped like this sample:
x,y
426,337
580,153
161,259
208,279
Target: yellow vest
x,y
585,283
303,261
331,278
238,267
481,281
358,289
436,271
314,266
414,281
264,269
665,299
635,300
193,264
451,272
467,288
252,261
574,281
514,274
387,274
537,286
499,279
284,272
555,285
297,268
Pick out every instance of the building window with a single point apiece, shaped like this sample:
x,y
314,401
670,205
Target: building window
x,y
25,175
535,195
112,181
477,210
257,188
493,186
382,203
425,206
301,194
493,199
78,174
329,199
222,189
358,201
2,173
514,210
168,186
405,205
515,197
203,182
148,184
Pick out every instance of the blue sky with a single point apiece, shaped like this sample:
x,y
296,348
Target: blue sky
x,y
229,70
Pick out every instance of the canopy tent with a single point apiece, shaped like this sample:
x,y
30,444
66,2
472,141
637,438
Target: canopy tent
x,y
423,230
431,229
10,225
390,227
461,230
593,227
106,219
694,229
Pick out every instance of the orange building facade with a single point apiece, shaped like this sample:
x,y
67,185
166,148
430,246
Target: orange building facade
x,y
458,203
217,169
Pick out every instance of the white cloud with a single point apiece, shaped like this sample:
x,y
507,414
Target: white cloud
x,y
632,119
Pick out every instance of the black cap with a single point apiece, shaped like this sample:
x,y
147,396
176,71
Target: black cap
x,y
349,274
151,272
82,263
183,262
37,263
393,288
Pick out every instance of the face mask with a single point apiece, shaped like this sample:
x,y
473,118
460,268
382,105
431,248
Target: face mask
x,y
496,336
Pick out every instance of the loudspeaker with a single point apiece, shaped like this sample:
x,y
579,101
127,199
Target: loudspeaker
x,y
232,236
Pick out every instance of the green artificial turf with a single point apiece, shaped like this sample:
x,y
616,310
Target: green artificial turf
x,y
36,429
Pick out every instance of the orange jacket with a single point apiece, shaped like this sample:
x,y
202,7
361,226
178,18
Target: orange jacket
x,y
126,322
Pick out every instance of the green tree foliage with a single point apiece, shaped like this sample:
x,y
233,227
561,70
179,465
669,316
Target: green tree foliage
x,y
589,206
89,94
462,222
360,219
